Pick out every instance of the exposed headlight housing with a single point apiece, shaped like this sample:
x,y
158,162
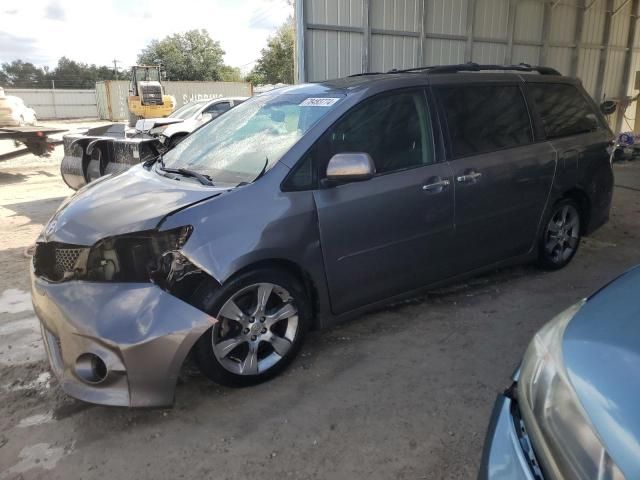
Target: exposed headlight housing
x,y
148,256
564,439
135,257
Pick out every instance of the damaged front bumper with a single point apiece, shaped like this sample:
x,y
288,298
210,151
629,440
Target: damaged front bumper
x,y
508,454
116,343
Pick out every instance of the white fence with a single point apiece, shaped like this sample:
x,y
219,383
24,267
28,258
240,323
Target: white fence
x,y
109,100
53,103
111,95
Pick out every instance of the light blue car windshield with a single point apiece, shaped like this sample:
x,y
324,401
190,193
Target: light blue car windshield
x,y
235,147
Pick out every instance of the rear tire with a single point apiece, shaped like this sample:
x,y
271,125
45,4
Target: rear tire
x,y
561,234
263,316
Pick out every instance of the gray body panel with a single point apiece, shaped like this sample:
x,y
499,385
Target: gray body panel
x,y
385,236
142,333
484,216
136,200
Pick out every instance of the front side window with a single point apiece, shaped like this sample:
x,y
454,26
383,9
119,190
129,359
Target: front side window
x,y
485,118
218,108
563,109
187,111
392,129
395,130
237,146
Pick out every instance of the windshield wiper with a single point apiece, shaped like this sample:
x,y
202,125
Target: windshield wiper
x,y
259,176
263,171
203,179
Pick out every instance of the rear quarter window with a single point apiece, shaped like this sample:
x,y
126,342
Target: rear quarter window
x,y
563,109
484,118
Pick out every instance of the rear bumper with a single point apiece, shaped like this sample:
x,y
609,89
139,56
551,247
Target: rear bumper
x,y
141,333
503,457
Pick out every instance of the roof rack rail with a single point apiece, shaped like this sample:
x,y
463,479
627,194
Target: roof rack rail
x,y
475,67
364,74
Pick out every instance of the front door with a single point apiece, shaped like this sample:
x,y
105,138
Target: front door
x,y
390,234
502,177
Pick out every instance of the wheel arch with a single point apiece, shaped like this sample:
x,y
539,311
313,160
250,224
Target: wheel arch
x,y
579,196
293,269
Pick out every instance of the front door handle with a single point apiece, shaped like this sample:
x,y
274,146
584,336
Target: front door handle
x,y
471,177
436,186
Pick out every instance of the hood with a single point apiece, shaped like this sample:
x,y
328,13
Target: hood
x,y
601,349
187,126
147,124
135,200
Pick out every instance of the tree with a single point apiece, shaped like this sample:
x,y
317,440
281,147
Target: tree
x,y
67,74
192,55
72,74
275,64
19,74
230,74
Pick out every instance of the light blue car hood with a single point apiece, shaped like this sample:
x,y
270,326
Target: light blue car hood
x,y
601,348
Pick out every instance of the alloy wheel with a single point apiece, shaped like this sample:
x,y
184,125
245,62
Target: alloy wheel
x,y
255,330
562,234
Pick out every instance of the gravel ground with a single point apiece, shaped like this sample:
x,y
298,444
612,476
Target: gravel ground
x,y
405,392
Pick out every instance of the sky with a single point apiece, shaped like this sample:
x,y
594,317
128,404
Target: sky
x,y
97,32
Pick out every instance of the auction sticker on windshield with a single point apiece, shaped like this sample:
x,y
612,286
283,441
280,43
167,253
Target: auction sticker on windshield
x,y
319,102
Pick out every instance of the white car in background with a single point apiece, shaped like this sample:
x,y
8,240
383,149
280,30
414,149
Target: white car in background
x,y
195,114
14,113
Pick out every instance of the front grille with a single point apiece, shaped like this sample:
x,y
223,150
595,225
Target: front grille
x,y
66,259
151,95
57,261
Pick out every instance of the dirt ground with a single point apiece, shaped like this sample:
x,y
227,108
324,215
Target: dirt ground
x,y
402,393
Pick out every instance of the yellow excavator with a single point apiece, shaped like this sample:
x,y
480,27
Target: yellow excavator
x,y
146,94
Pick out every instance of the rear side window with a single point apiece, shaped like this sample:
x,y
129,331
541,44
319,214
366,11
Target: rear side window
x,y
485,118
564,110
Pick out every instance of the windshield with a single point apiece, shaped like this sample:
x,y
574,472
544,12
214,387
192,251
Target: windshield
x,y
237,146
187,111
148,74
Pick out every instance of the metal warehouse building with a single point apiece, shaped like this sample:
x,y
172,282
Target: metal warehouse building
x,y
595,40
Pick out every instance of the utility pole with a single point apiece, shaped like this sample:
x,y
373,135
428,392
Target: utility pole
x,y
53,98
115,67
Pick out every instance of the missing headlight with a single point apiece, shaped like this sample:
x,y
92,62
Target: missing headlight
x,y
135,257
141,257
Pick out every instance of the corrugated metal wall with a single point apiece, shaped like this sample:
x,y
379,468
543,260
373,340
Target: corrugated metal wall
x,y
111,95
49,103
595,40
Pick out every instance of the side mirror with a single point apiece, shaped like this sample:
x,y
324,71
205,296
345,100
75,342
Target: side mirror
x,y
608,107
206,117
349,167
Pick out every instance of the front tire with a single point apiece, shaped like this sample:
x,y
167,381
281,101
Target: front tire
x,y
263,316
560,238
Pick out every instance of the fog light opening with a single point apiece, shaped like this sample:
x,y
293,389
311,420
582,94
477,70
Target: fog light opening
x,y
90,368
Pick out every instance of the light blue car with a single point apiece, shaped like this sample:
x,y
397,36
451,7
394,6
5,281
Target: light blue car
x,y
573,411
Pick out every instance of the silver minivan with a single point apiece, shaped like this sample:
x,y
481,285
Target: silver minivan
x,y
308,205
